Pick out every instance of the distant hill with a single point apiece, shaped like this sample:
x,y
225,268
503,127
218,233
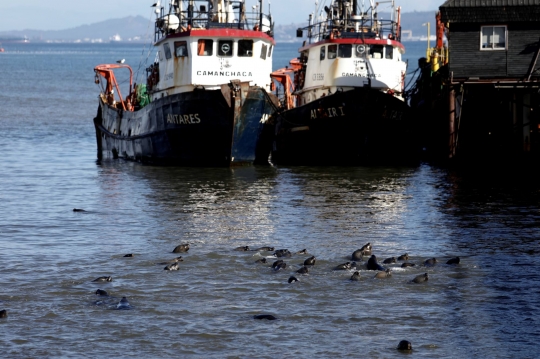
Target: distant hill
x,y
139,29
131,28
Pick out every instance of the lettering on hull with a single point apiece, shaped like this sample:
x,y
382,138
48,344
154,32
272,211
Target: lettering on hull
x,y
349,74
225,73
328,112
187,119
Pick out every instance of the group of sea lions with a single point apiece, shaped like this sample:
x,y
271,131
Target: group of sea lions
x,y
372,264
354,264
170,265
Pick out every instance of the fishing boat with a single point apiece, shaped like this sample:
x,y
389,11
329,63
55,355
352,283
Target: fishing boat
x,y
204,101
342,99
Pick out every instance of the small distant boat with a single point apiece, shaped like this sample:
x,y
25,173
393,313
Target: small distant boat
x,y
115,38
342,98
206,100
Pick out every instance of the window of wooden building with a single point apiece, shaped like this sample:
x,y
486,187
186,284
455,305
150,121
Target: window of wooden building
x,y
493,38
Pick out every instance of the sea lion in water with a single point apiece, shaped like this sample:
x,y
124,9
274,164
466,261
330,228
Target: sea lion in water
x,y
262,260
303,251
265,249
366,248
282,253
345,266
403,257
78,210
430,262
373,265
355,276
387,273
407,264
310,261
279,264
421,278
172,266
453,261
242,249
357,255
128,255
102,292
303,270
123,304
181,248
389,260
174,260
3,313
103,279
293,279
404,345
264,316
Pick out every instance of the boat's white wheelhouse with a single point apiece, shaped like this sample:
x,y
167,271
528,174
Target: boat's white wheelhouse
x,y
343,65
206,59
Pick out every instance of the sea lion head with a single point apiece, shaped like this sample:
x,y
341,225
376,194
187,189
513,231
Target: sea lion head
x,y
355,276
181,248
404,345
123,304
293,279
101,292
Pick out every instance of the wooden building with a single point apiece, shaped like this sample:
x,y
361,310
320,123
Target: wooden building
x,y
492,78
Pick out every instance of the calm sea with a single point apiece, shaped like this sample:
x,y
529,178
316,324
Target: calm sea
x,y
485,307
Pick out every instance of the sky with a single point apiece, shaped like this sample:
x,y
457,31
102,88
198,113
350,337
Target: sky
x,y
66,14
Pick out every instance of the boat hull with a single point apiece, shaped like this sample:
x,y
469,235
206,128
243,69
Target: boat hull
x,y
360,126
199,128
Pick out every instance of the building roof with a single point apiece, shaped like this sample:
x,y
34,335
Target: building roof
x,y
490,11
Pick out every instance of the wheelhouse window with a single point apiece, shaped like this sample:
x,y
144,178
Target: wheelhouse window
x,y
361,50
270,50
493,38
225,48
180,49
264,48
345,50
167,50
205,47
245,48
376,51
389,52
332,51
323,52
